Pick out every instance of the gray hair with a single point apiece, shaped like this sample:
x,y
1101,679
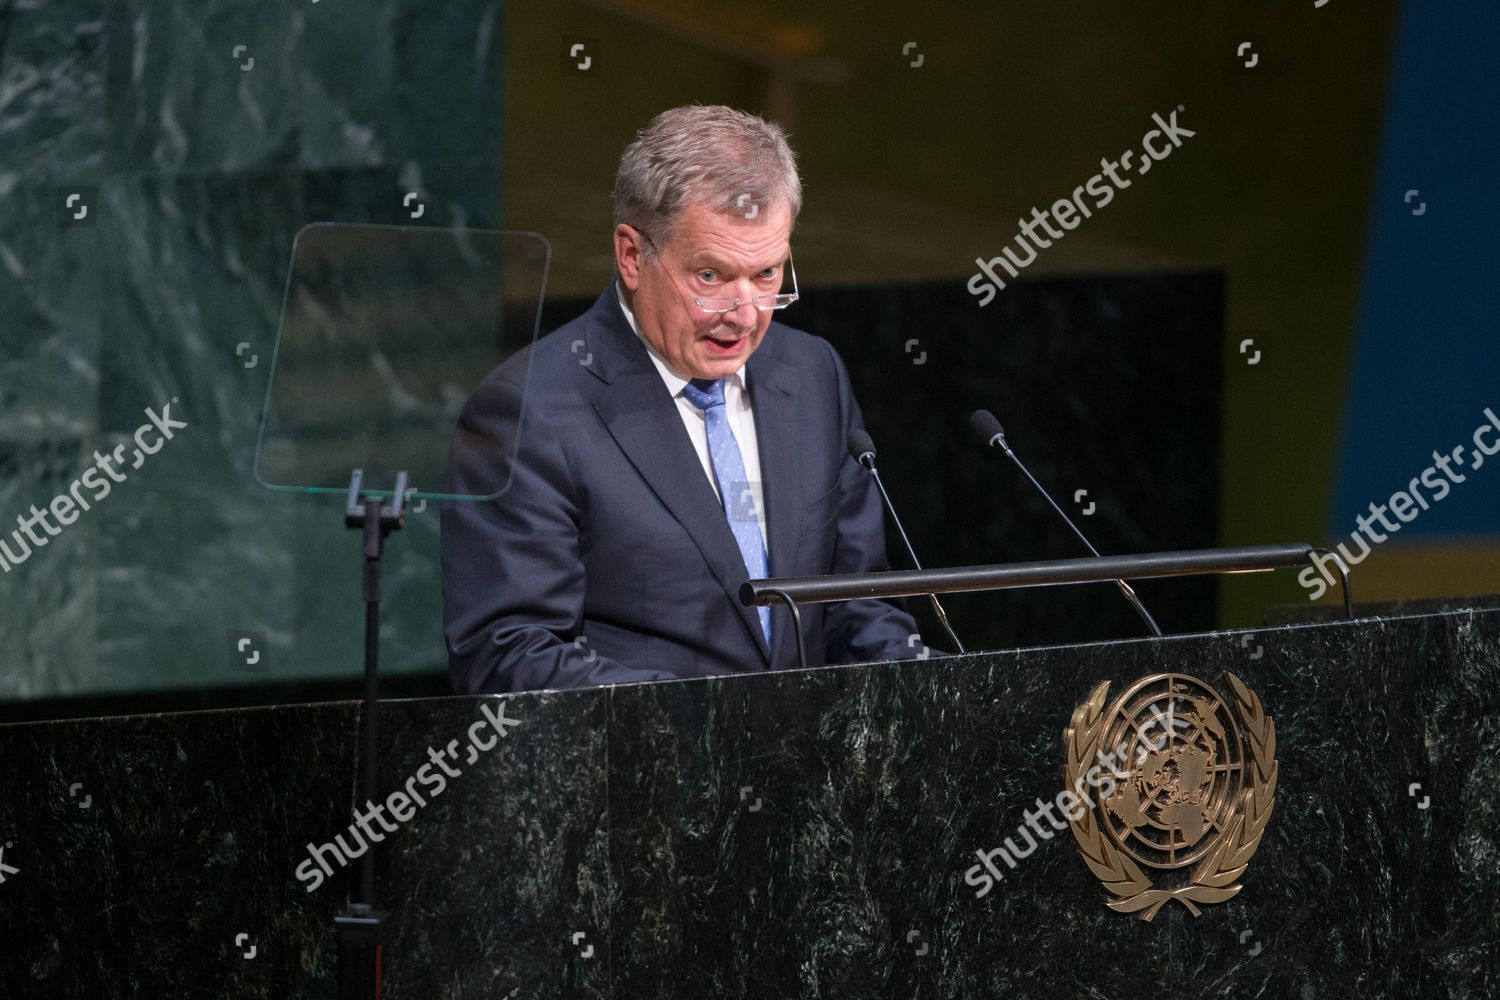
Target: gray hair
x,y
711,155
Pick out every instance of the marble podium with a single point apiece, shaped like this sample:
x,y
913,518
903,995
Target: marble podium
x,y
799,834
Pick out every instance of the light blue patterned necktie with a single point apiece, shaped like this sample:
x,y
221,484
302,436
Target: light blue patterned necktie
x,y
734,487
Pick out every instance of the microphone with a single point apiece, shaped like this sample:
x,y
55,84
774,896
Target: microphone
x,y
989,433
862,447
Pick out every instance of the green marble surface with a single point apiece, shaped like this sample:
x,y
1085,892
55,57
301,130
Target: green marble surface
x,y
802,833
196,165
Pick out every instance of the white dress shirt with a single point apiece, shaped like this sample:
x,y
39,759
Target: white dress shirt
x,y
741,421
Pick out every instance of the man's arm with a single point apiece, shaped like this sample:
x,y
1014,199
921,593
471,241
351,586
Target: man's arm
x,y
870,629
513,577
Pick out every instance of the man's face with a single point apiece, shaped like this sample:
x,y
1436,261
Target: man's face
x,y
711,255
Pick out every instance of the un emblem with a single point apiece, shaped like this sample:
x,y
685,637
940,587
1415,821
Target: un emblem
x,y
1192,784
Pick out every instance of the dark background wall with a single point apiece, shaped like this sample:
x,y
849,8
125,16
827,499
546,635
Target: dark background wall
x,y
923,135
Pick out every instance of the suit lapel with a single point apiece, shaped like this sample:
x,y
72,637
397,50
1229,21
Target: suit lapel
x,y
773,398
645,423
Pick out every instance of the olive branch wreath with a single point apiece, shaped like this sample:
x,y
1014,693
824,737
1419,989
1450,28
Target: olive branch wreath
x,y
1214,879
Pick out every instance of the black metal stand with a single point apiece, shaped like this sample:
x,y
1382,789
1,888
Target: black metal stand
x,y
359,930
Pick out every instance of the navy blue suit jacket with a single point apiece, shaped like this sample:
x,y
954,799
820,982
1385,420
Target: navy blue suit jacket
x,y
607,558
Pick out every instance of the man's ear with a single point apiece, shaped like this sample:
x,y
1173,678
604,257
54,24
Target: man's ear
x,y
629,259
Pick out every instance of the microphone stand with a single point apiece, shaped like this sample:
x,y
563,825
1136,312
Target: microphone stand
x,y
1125,588
868,461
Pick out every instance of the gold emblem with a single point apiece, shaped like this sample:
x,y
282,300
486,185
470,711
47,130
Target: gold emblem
x,y
1180,778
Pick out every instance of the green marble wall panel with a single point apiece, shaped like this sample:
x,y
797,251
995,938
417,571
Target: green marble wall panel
x,y
197,162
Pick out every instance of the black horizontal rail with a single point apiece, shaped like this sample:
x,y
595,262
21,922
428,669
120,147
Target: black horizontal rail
x,y
1048,573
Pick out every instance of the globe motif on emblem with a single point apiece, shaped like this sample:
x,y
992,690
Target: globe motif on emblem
x,y
1183,770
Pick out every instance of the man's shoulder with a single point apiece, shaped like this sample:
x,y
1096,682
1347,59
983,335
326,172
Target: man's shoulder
x,y
792,339
807,352
552,358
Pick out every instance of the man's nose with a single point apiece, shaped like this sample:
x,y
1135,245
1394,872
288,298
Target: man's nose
x,y
742,316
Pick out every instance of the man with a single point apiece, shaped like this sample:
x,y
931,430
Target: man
x,y
671,443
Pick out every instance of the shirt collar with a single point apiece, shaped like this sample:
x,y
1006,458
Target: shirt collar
x,y
674,381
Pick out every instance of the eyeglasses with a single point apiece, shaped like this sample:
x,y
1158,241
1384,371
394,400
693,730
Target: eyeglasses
x,y
723,304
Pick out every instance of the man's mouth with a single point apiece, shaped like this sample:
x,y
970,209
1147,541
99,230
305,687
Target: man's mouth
x,y
724,344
